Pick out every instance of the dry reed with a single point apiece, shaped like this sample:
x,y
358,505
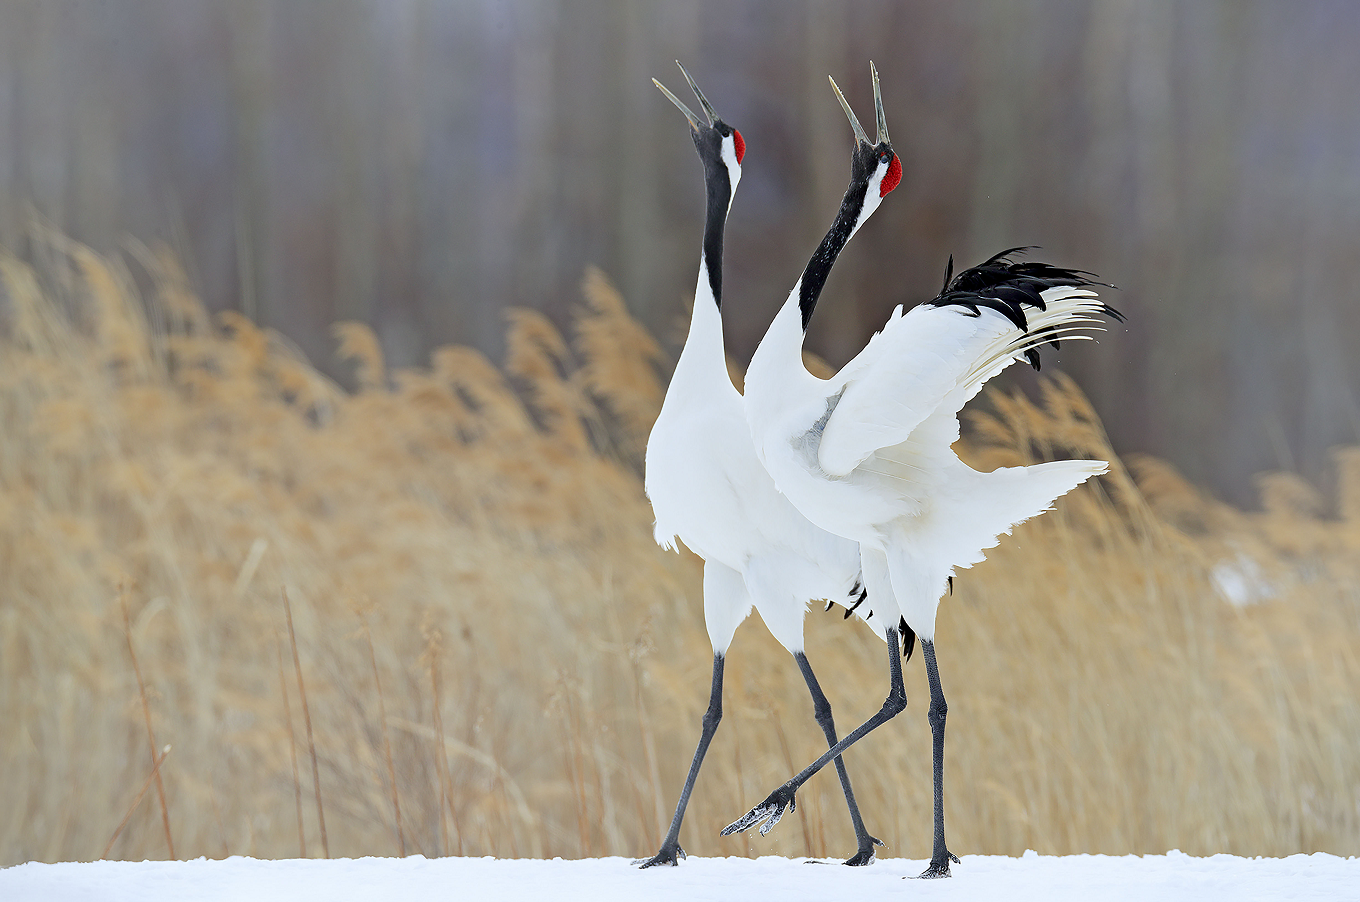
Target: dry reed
x,y
136,800
292,752
386,740
150,733
1145,668
307,721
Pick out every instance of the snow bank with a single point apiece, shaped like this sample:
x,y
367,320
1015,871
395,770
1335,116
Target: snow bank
x,y
1036,877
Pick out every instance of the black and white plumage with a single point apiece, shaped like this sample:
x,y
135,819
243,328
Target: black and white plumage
x,y
866,454
709,491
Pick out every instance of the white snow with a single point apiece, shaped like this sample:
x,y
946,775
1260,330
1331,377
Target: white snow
x,y
1038,877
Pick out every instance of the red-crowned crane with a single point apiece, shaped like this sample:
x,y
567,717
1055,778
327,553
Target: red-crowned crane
x,y
866,454
708,490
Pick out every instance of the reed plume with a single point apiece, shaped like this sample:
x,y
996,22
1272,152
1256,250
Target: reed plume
x,y
1147,668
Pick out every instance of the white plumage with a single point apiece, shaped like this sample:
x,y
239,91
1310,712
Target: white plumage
x,y
709,491
867,454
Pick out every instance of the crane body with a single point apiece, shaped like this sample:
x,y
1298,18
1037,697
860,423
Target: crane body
x,y
867,453
709,490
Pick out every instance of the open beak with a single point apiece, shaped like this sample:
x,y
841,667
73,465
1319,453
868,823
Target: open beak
x,y
878,107
694,123
878,111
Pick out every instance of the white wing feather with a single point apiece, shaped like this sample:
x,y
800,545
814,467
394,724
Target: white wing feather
x,y
929,356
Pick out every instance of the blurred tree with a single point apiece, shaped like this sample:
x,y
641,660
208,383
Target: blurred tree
x,y
422,165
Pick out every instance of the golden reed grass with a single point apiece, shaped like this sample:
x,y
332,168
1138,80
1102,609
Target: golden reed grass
x,y
496,653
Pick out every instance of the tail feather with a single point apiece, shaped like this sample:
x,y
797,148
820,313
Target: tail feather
x,y
1007,497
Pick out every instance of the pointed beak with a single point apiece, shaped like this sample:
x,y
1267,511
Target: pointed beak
x,y
878,108
694,122
878,112
860,136
711,113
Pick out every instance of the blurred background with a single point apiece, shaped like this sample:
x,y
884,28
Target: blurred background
x,y
422,165
331,335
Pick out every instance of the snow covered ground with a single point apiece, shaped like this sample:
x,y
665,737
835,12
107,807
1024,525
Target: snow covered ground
x,y
1160,877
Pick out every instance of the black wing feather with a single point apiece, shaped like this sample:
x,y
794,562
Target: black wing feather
x,y
1002,284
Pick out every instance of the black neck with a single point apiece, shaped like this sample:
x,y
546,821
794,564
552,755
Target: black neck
x,y
719,184
819,267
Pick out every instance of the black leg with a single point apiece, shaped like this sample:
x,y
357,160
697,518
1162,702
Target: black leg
x,y
821,708
670,847
940,856
769,812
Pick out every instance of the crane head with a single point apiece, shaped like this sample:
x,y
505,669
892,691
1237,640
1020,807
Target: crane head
x,y
874,162
720,146
874,171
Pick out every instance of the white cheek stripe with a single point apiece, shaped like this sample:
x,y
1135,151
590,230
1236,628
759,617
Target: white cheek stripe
x,y
729,158
872,197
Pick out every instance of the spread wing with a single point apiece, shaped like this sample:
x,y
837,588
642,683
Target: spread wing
x,y
942,352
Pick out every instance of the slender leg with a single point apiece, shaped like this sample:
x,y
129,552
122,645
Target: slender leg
x,y
670,846
822,710
768,812
940,856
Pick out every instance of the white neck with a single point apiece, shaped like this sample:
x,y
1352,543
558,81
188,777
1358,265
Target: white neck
x,y
703,354
779,358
